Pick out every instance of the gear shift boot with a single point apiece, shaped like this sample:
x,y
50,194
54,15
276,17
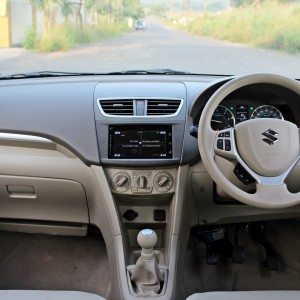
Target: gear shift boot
x,y
146,278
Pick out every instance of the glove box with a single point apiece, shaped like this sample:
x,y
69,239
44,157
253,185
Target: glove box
x,y
42,199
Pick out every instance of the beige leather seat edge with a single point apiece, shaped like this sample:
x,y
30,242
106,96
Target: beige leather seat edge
x,y
257,295
46,295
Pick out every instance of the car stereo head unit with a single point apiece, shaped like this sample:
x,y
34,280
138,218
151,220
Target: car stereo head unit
x,y
140,141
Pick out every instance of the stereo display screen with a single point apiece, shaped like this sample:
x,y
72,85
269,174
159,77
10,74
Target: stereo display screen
x,y
134,141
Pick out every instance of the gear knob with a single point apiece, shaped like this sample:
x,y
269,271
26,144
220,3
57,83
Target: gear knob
x,y
147,239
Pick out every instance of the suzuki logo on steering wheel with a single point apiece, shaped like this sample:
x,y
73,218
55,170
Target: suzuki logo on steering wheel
x,y
270,137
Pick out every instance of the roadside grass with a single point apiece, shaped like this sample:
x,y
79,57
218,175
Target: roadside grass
x,y
269,24
63,37
30,39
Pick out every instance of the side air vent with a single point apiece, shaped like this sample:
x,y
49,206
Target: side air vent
x,y
122,107
157,107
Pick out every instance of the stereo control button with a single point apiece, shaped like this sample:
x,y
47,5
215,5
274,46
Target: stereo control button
x,y
227,145
220,144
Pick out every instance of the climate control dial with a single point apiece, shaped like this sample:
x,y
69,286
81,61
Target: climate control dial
x,y
163,181
141,182
121,182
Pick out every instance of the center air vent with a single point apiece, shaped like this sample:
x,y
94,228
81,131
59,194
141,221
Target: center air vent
x,y
162,107
139,107
122,107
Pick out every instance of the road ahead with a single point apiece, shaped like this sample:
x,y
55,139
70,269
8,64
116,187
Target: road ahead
x,y
156,47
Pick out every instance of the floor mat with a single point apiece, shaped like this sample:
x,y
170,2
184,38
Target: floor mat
x,y
30,261
285,238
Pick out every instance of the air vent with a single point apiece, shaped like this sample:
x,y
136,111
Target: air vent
x,y
121,107
162,107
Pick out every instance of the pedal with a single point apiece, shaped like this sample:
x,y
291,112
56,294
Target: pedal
x,y
218,246
238,255
212,257
258,233
216,241
271,262
238,252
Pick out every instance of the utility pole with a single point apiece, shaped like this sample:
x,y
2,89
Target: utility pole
x,y
186,8
33,15
205,5
171,7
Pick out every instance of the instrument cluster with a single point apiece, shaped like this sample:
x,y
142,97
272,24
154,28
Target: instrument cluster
x,y
229,115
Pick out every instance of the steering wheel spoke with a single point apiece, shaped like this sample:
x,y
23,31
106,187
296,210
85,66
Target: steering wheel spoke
x,y
264,180
225,146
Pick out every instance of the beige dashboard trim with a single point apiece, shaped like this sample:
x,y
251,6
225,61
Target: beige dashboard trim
x,y
23,138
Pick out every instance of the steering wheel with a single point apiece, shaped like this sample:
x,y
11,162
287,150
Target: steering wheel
x,y
267,149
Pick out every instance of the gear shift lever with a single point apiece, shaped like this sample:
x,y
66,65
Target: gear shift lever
x,y
146,275
147,239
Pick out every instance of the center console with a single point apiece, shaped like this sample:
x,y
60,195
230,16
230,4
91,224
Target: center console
x,y
140,130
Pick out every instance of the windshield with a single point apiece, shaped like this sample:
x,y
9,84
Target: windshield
x,y
206,37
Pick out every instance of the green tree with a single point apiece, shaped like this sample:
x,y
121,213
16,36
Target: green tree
x,y
133,8
110,8
159,10
238,3
66,10
33,15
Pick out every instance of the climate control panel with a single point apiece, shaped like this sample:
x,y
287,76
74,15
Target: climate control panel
x,y
142,181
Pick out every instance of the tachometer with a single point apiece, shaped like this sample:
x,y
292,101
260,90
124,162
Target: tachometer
x,y
267,111
222,118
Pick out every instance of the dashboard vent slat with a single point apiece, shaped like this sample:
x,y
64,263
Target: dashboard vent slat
x,y
117,107
160,107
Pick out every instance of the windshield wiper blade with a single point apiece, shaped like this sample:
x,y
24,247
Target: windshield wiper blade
x,y
126,72
58,73
150,72
42,74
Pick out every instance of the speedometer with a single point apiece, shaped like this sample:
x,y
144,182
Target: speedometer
x,y
222,118
266,111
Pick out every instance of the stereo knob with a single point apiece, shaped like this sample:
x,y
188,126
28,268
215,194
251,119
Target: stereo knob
x,y
141,182
121,182
163,181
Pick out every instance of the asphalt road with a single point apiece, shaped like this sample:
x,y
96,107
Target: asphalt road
x,y
156,47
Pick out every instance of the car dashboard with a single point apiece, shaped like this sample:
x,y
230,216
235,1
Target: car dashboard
x,y
121,153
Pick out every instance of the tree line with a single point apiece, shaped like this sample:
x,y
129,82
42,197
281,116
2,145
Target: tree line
x,y
238,3
78,10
